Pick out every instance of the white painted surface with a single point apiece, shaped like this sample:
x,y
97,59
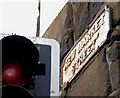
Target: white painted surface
x,y
55,63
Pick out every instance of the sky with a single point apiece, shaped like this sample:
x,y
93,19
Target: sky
x,y
49,10
20,16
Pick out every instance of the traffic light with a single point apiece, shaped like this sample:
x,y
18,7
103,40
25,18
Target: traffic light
x,y
19,61
30,69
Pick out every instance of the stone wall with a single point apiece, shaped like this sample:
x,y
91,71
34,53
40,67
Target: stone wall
x,y
102,76
93,80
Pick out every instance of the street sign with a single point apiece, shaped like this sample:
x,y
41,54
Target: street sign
x,y
87,45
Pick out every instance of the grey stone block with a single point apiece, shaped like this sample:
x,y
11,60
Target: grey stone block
x,y
114,74
115,94
113,54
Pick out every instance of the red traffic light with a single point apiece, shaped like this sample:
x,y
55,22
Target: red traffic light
x,y
19,59
12,75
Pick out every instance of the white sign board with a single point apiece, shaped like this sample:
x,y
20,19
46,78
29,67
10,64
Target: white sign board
x,y
87,45
55,67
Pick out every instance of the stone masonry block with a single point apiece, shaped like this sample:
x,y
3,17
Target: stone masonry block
x,y
114,74
115,94
113,59
116,34
113,52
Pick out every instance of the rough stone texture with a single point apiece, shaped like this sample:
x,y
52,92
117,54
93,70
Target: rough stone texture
x,y
115,12
60,30
115,36
115,94
57,30
113,52
77,16
83,15
92,82
63,93
113,59
69,25
114,74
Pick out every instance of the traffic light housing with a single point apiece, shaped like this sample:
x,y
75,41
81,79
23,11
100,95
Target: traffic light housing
x,y
13,91
19,60
35,70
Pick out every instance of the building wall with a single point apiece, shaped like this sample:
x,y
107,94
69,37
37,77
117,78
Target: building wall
x,y
101,77
93,80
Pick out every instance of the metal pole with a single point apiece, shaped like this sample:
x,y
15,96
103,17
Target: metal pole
x,y
38,21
